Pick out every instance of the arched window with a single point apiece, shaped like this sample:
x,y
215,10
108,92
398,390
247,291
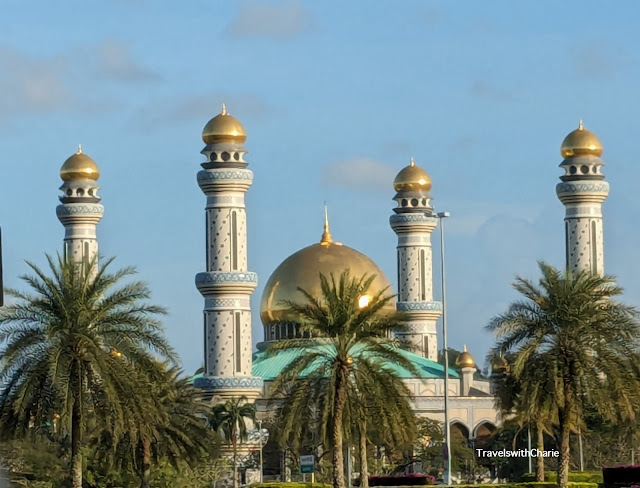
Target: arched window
x,y
423,277
85,256
594,248
238,344
234,241
566,242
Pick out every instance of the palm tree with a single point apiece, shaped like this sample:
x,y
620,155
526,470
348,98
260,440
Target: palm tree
x,y
515,400
377,407
177,432
229,420
350,357
581,342
75,346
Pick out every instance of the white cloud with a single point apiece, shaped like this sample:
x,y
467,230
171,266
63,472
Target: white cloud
x,y
363,173
116,62
596,59
33,85
200,107
483,89
65,81
281,22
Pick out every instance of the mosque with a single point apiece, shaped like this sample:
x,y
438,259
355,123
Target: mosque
x,y
233,369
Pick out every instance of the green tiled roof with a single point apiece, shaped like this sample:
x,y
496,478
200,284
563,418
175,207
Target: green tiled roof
x,y
269,365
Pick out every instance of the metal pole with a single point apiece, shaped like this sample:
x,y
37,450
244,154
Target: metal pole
x,y
260,431
447,430
529,446
349,467
581,453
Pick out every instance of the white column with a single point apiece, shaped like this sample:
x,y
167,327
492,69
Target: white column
x,y
227,284
583,198
80,220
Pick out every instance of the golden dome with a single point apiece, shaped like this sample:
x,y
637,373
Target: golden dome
x,y
223,128
499,363
465,360
79,167
412,178
581,142
302,269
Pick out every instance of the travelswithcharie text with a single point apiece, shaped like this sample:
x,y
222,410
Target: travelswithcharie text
x,y
519,453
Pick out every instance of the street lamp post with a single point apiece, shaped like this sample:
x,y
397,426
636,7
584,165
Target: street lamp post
x,y
447,431
260,431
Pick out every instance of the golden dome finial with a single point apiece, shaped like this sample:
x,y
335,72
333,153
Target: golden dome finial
x,y
326,238
581,142
79,166
224,128
465,359
412,178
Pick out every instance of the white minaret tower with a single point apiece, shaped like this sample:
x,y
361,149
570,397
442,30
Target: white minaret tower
x,y
582,191
414,223
80,210
227,285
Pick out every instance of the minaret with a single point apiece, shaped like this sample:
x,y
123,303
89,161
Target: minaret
x,y
467,366
582,192
414,222
227,285
80,209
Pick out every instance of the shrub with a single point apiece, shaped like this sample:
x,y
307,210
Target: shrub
x,y
290,484
621,475
417,479
576,476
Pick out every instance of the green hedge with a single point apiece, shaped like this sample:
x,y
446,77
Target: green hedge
x,y
577,476
532,484
290,484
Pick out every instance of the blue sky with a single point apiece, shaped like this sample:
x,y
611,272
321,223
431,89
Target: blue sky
x,y
335,97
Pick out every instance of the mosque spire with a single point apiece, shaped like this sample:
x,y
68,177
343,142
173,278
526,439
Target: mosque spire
x,y
326,238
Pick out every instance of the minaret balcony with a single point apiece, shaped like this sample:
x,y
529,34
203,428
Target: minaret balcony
x,y
224,387
412,222
79,213
221,179
423,310
219,282
582,191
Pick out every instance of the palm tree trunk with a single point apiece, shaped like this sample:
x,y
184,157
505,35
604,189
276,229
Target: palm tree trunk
x,y
235,461
364,468
565,453
146,463
76,454
540,459
338,412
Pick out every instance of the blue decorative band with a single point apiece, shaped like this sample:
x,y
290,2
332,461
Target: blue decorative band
x,y
223,277
219,383
216,174
227,302
74,209
411,217
578,160
411,306
567,187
